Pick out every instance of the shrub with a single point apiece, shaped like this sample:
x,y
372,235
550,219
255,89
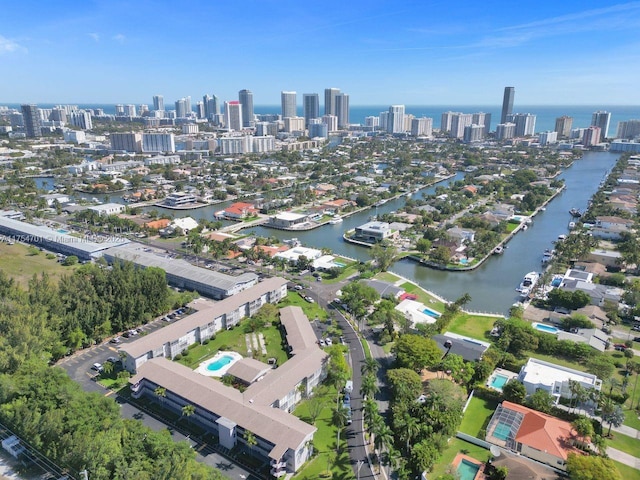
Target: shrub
x,y
487,393
177,357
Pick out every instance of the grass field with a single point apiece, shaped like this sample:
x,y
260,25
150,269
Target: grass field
x,y
324,442
473,326
627,472
455,446
423,296
477,416
311,310
622,442
19,263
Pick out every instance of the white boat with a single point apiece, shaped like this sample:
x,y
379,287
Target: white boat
x,y
572,225
528,283
498,250
335,220
548,255
562,237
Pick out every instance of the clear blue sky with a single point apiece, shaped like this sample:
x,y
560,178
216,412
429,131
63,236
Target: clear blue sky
x,y
380,52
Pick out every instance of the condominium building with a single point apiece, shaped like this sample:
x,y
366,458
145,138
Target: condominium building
x,y
505,131
158,102
31,120
246,100
422,127
525,123
507,103
473,133
628,130
547,138
458,122
395,120
158,142
592,136
129,142
342,110
233,115
330,100
331,121
563,126
289,104
310,107
601,119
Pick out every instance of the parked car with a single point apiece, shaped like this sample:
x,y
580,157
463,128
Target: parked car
x,y
116,340
113,359
620,347
97,367
328,341
636,328
636,339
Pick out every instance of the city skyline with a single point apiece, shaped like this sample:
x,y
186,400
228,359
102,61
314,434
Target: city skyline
x,y
417,53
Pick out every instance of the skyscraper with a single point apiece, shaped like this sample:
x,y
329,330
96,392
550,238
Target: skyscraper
x,y
507,103
601,119
330,100
246,100
592,136
181,108
158,102
289,102
525,123
342,110
310,107
563,126
211,106
482,118
31,120
458,122
233,115
395,120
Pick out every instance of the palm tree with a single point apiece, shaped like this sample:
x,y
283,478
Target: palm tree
x,y
583,427
369,366
376,424
188,410
369,411
412,429
613,383
107,368
369,386
250,440
614,418
383,439
340,417
161,392
600,443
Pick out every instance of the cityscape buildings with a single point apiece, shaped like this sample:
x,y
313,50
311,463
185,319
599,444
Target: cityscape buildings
x,y
289,104
31,119
342,109
330,100
233,115
158,102
507,103
629,129
310,107
246,100
395,119
602,119
563,126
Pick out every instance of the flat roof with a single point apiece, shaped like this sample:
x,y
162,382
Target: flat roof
x,y
290,216
545,373
207,310
300,334
272,424
147,257
45,233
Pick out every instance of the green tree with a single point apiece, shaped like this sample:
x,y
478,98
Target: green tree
x,y
250,440
340,416
440,255
383,255
583,427
416,352
584,467
601,366
161,393
541,400
187,411
514,391
405,384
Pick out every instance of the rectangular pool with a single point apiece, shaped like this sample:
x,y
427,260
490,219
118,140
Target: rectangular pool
x,y
546,328
499,381
467,470
431,313
502,431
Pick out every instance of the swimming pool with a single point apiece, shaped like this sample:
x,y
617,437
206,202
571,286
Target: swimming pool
x,y
467,470
339,264
556,282
431,313
499,381
218,365
502,431
546,328
463,261
62,230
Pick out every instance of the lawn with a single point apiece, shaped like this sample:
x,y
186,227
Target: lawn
x,y
477,415
473,326
311,310
627,472
235,340
456,446
632,419
423,296
324,441
622,442
21,262
387,277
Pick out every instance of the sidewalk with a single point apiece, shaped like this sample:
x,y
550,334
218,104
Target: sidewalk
x,y
622,457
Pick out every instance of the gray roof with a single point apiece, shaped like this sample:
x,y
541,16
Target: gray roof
x,y
300,334
146,257
385,289
207,311
29,231
467,348
276,426
248,370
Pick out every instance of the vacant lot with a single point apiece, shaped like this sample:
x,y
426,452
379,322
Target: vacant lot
x,y
21,262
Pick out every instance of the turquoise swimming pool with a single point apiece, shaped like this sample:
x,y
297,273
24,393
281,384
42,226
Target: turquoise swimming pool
x,y
219,363
502,431
546,328
467,470
431,313
499,381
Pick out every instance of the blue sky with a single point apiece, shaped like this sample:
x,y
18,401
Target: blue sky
x,y
380,52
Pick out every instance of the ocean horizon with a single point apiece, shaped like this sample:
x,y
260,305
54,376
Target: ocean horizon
x,y
545,114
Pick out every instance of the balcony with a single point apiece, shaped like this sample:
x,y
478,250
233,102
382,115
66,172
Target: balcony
x,y
278,473
278,465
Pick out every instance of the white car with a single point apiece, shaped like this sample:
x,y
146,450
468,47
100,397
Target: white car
x,y
328,341
97,367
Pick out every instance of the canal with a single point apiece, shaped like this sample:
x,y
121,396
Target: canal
x,y
491,286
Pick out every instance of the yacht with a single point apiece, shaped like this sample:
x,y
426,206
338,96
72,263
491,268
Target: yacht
x,y
548,255
572,225
575,213
498,250
528,283
335,220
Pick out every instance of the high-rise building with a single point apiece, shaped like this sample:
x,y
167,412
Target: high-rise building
x,y
233,115
505,131
246,100
601,119
525,123
342,110
310,107
187,106
473,133
81,119
547,138
58,115
31,120
119,110
158,142
563,126
318,129
130,110
211,106
422,127
507,103
200,113
592,136
395,120
330,100
293,124
458,122
482,118
158,102
628,130
129,142
372,121
289,103
181,108
331,121
445,121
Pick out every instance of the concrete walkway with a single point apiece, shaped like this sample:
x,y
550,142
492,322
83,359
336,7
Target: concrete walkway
x,y
622,457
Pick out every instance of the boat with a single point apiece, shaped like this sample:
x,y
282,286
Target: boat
x,y
524,226
498,250
528,283
572,225
335,220
381,202
575,213
561,238
548,255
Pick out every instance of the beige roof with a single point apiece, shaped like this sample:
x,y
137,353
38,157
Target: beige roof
x,y
276,426
248,369
300,334
279,382
207,311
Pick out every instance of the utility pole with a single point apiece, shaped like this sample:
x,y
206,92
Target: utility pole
x,y
85,474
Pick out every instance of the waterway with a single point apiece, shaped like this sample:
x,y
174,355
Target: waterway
x,y
492,285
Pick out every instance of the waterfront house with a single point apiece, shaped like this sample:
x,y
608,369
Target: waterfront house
x,y
240,211
538,374
533,434
288,220
373,232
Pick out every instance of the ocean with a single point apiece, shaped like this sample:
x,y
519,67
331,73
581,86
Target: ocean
x,y
545,114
